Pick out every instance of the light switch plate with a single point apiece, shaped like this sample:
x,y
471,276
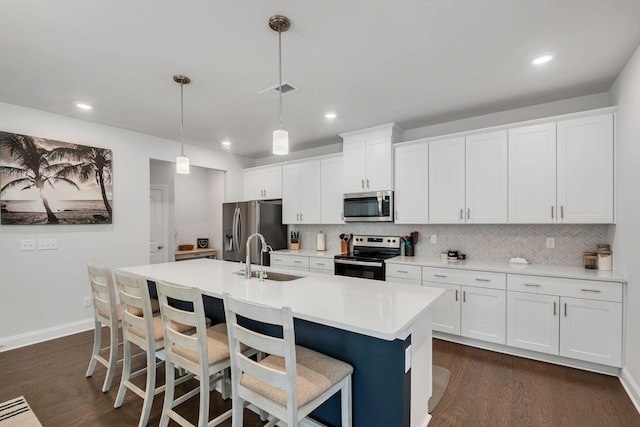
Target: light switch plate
x,y
28,245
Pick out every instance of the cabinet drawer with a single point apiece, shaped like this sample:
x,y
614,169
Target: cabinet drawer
x,y
403,271
319,263
586,289
479,279
290,261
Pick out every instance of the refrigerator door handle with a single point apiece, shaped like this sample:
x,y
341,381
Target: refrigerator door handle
x,y
236,236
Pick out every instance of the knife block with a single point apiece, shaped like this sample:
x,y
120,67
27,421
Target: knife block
x,y
344,247
295,246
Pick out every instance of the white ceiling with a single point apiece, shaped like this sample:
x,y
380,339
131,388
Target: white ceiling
x,y
413,62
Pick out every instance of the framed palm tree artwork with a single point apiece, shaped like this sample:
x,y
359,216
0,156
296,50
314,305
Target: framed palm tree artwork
x,y
43,181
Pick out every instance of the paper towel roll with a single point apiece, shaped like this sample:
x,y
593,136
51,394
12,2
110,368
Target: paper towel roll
x,y
320,242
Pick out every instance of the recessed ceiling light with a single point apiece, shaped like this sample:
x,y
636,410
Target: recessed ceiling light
x,y
330,115
226,143
83,106
542,59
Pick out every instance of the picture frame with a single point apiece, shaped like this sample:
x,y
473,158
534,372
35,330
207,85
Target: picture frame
x,y
203,243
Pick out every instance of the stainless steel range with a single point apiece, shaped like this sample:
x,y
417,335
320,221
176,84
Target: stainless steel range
x,y
367,257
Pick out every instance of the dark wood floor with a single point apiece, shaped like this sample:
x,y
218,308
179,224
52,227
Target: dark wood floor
x,y
486,389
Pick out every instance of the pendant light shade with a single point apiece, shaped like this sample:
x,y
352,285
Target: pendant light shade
x,y
182,161
280,24
280,142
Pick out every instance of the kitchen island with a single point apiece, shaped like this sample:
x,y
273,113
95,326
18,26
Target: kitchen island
x,y
383,329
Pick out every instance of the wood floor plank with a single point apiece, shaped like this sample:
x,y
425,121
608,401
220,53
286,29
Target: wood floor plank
x,y
485,389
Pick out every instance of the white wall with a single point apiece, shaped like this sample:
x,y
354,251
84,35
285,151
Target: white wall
x,y
626,94
45,289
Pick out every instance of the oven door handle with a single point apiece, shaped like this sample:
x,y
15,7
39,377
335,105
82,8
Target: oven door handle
x,y
362,263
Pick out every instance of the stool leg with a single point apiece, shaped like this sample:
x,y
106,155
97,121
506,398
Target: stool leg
x,y
345,403
113,358
97,343
169,392
237,407
203,417
126,374
150,389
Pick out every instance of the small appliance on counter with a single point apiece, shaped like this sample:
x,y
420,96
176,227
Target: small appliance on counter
x,y
368,256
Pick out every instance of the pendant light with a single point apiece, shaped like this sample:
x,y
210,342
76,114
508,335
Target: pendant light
x,y
280,24
182,161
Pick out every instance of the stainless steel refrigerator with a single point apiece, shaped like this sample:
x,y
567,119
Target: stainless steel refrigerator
x,y
242,219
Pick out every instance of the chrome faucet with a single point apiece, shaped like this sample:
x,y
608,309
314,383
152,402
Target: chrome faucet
x,y
247,268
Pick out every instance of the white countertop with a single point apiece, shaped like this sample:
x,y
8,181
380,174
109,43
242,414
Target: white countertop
x,y
568,272
306,252
379,309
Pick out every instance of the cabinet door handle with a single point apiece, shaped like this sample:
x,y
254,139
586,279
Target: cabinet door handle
x,y
300,216
561,211
554,308
297,262
533,285
456,295
362,183
468,213
551,212
460,213
464,296
482,280
565,309
403,271
367,183
439,275
320,263
597,291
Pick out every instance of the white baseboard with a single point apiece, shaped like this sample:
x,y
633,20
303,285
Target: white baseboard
x,y
40,335
631,387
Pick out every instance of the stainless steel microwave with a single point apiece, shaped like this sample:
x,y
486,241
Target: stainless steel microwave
x,y
374,206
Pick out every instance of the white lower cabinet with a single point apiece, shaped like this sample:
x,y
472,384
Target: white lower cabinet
x,y
403,273
591,330
473,306
532,322
445,312
483,314
580,319
293,262
321,265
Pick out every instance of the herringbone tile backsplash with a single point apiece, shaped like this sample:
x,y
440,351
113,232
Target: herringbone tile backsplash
x,y
478,242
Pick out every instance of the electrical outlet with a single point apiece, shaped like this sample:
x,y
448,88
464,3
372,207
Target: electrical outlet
x,y
434,238
551,243
47,244
28,245
86,302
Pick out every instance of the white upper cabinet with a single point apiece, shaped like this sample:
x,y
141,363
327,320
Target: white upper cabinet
x,y
486,178
331,190
532,174
411,184
301,193
562,172
447,181
368,159
263,183
585,170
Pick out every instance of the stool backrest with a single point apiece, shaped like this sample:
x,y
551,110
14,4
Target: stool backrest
x,y
103,294
283,347
173,316
137,315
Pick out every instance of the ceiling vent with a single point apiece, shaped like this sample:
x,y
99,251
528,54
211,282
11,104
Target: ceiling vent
x,y
274,90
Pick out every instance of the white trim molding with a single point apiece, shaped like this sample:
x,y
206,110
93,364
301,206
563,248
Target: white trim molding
x,y
40,335
631,387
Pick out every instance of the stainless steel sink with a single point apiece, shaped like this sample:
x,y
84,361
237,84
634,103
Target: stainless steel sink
x,y
272,275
